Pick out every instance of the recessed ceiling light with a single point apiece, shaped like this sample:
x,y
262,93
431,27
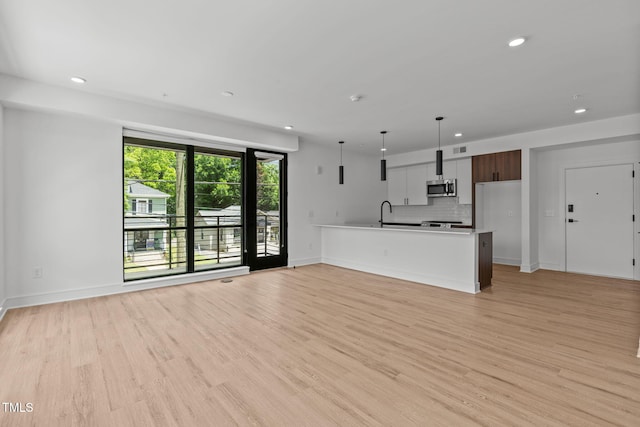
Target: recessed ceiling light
x,y
383,149
457,135
355,98
517,42
226,93
79,80
580,110
288,127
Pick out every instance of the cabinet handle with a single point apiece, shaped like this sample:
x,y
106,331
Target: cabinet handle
x,y
498,175
493,176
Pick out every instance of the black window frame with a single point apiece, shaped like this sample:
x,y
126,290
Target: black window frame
x,y
190,228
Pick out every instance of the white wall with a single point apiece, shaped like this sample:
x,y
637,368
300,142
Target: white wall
x,y
502,214
2,239
550,179
63,204
317,198
529,233
596,130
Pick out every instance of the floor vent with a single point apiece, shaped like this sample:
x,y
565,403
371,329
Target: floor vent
x,y
227,280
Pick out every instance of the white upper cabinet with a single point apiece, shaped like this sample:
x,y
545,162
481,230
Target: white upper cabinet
x,y
448,170
397,186
417,185
431,172
463,167
407,185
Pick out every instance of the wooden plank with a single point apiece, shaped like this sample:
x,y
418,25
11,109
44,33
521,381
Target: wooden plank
x,y
322,345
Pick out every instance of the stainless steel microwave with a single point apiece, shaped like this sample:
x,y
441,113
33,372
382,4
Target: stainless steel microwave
x,y
442,188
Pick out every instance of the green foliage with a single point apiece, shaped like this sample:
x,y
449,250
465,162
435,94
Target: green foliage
x,y
268,190
154,168
218,182
217,179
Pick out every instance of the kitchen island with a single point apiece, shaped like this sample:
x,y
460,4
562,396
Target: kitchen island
x,y
458,259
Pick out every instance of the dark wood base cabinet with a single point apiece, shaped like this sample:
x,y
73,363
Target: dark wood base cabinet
x,y
485,259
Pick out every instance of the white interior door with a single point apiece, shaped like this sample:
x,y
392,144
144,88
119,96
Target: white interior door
x,y
599,224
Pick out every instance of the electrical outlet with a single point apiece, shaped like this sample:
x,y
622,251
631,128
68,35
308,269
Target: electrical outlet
x,y
310,214
37,272
509,213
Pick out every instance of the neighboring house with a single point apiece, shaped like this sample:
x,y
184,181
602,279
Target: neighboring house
x,y
209,236
147,209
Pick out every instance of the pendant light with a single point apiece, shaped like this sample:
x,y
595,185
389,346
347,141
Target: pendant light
x,y
341,168
439,152
383,162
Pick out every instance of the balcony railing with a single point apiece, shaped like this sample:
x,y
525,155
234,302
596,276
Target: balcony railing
x,y
157,245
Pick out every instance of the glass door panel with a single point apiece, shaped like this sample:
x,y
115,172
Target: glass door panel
x,y
217,210
268,204
267,228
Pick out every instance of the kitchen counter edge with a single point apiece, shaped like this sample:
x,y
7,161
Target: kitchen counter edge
x,y
410,229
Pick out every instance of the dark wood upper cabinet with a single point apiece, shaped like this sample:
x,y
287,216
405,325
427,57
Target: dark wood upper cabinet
x,y
503,166
508,165
483,168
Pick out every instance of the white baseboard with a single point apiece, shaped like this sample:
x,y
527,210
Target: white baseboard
x,y
119,288
549,266
529,268
303,261
3,309
506,261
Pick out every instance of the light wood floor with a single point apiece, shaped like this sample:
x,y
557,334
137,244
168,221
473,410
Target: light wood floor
x,y
321,345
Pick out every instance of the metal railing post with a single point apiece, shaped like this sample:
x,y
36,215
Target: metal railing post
x,y
218,234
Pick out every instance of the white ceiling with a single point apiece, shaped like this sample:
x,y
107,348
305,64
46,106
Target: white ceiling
x,y
298,61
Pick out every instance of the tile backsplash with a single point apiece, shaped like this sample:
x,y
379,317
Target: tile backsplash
x,y
440,209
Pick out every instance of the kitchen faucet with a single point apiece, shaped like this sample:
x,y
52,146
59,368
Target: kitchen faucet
x,y
381,206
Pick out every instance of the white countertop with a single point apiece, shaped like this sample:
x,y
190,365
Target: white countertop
x,y
407,228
